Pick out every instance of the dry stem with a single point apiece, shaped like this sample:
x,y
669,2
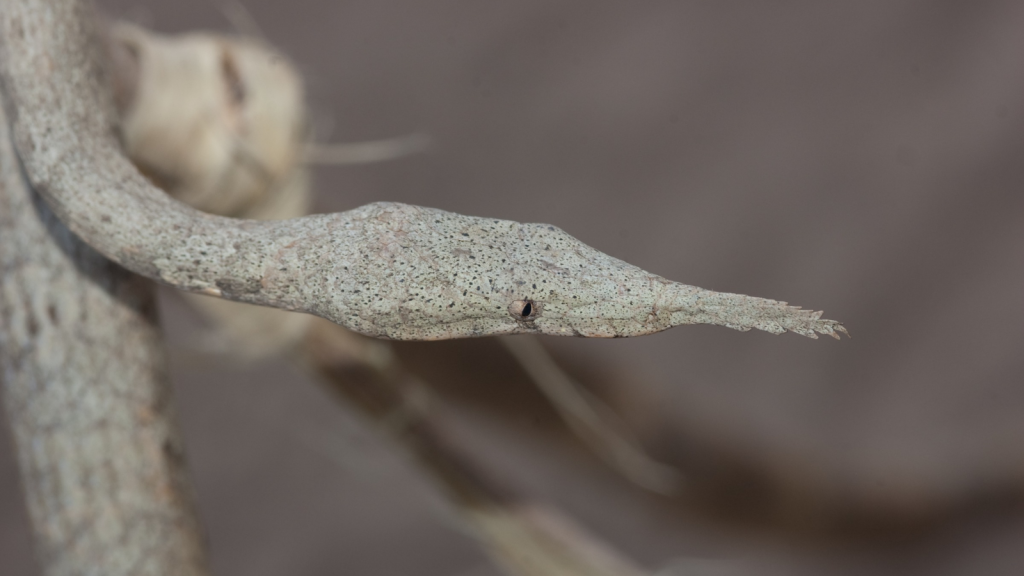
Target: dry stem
x,y
527,538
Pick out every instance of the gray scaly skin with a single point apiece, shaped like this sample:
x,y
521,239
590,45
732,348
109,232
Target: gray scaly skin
x,y
425,274
411,273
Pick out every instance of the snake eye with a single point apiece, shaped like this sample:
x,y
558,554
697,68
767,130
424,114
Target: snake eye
x,y
524,310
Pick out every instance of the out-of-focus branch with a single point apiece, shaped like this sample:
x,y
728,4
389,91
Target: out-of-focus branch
x,y
590,419
365,152
385,270
527,538
85,389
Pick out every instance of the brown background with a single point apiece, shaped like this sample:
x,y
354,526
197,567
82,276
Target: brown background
x,y
866,158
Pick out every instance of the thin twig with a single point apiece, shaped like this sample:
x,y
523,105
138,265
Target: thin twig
x,y
527,538
365,152
590,418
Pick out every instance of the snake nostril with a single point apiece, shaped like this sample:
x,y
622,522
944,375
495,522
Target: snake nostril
x,y
527,310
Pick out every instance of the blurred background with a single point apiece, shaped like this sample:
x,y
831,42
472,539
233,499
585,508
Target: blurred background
x,y
862,158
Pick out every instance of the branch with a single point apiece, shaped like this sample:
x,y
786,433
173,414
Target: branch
x,y
85,389
365,152
591,420
525,537
385,269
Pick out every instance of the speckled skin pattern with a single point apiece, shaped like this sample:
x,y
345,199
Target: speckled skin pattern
x,y
385,270
406,272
